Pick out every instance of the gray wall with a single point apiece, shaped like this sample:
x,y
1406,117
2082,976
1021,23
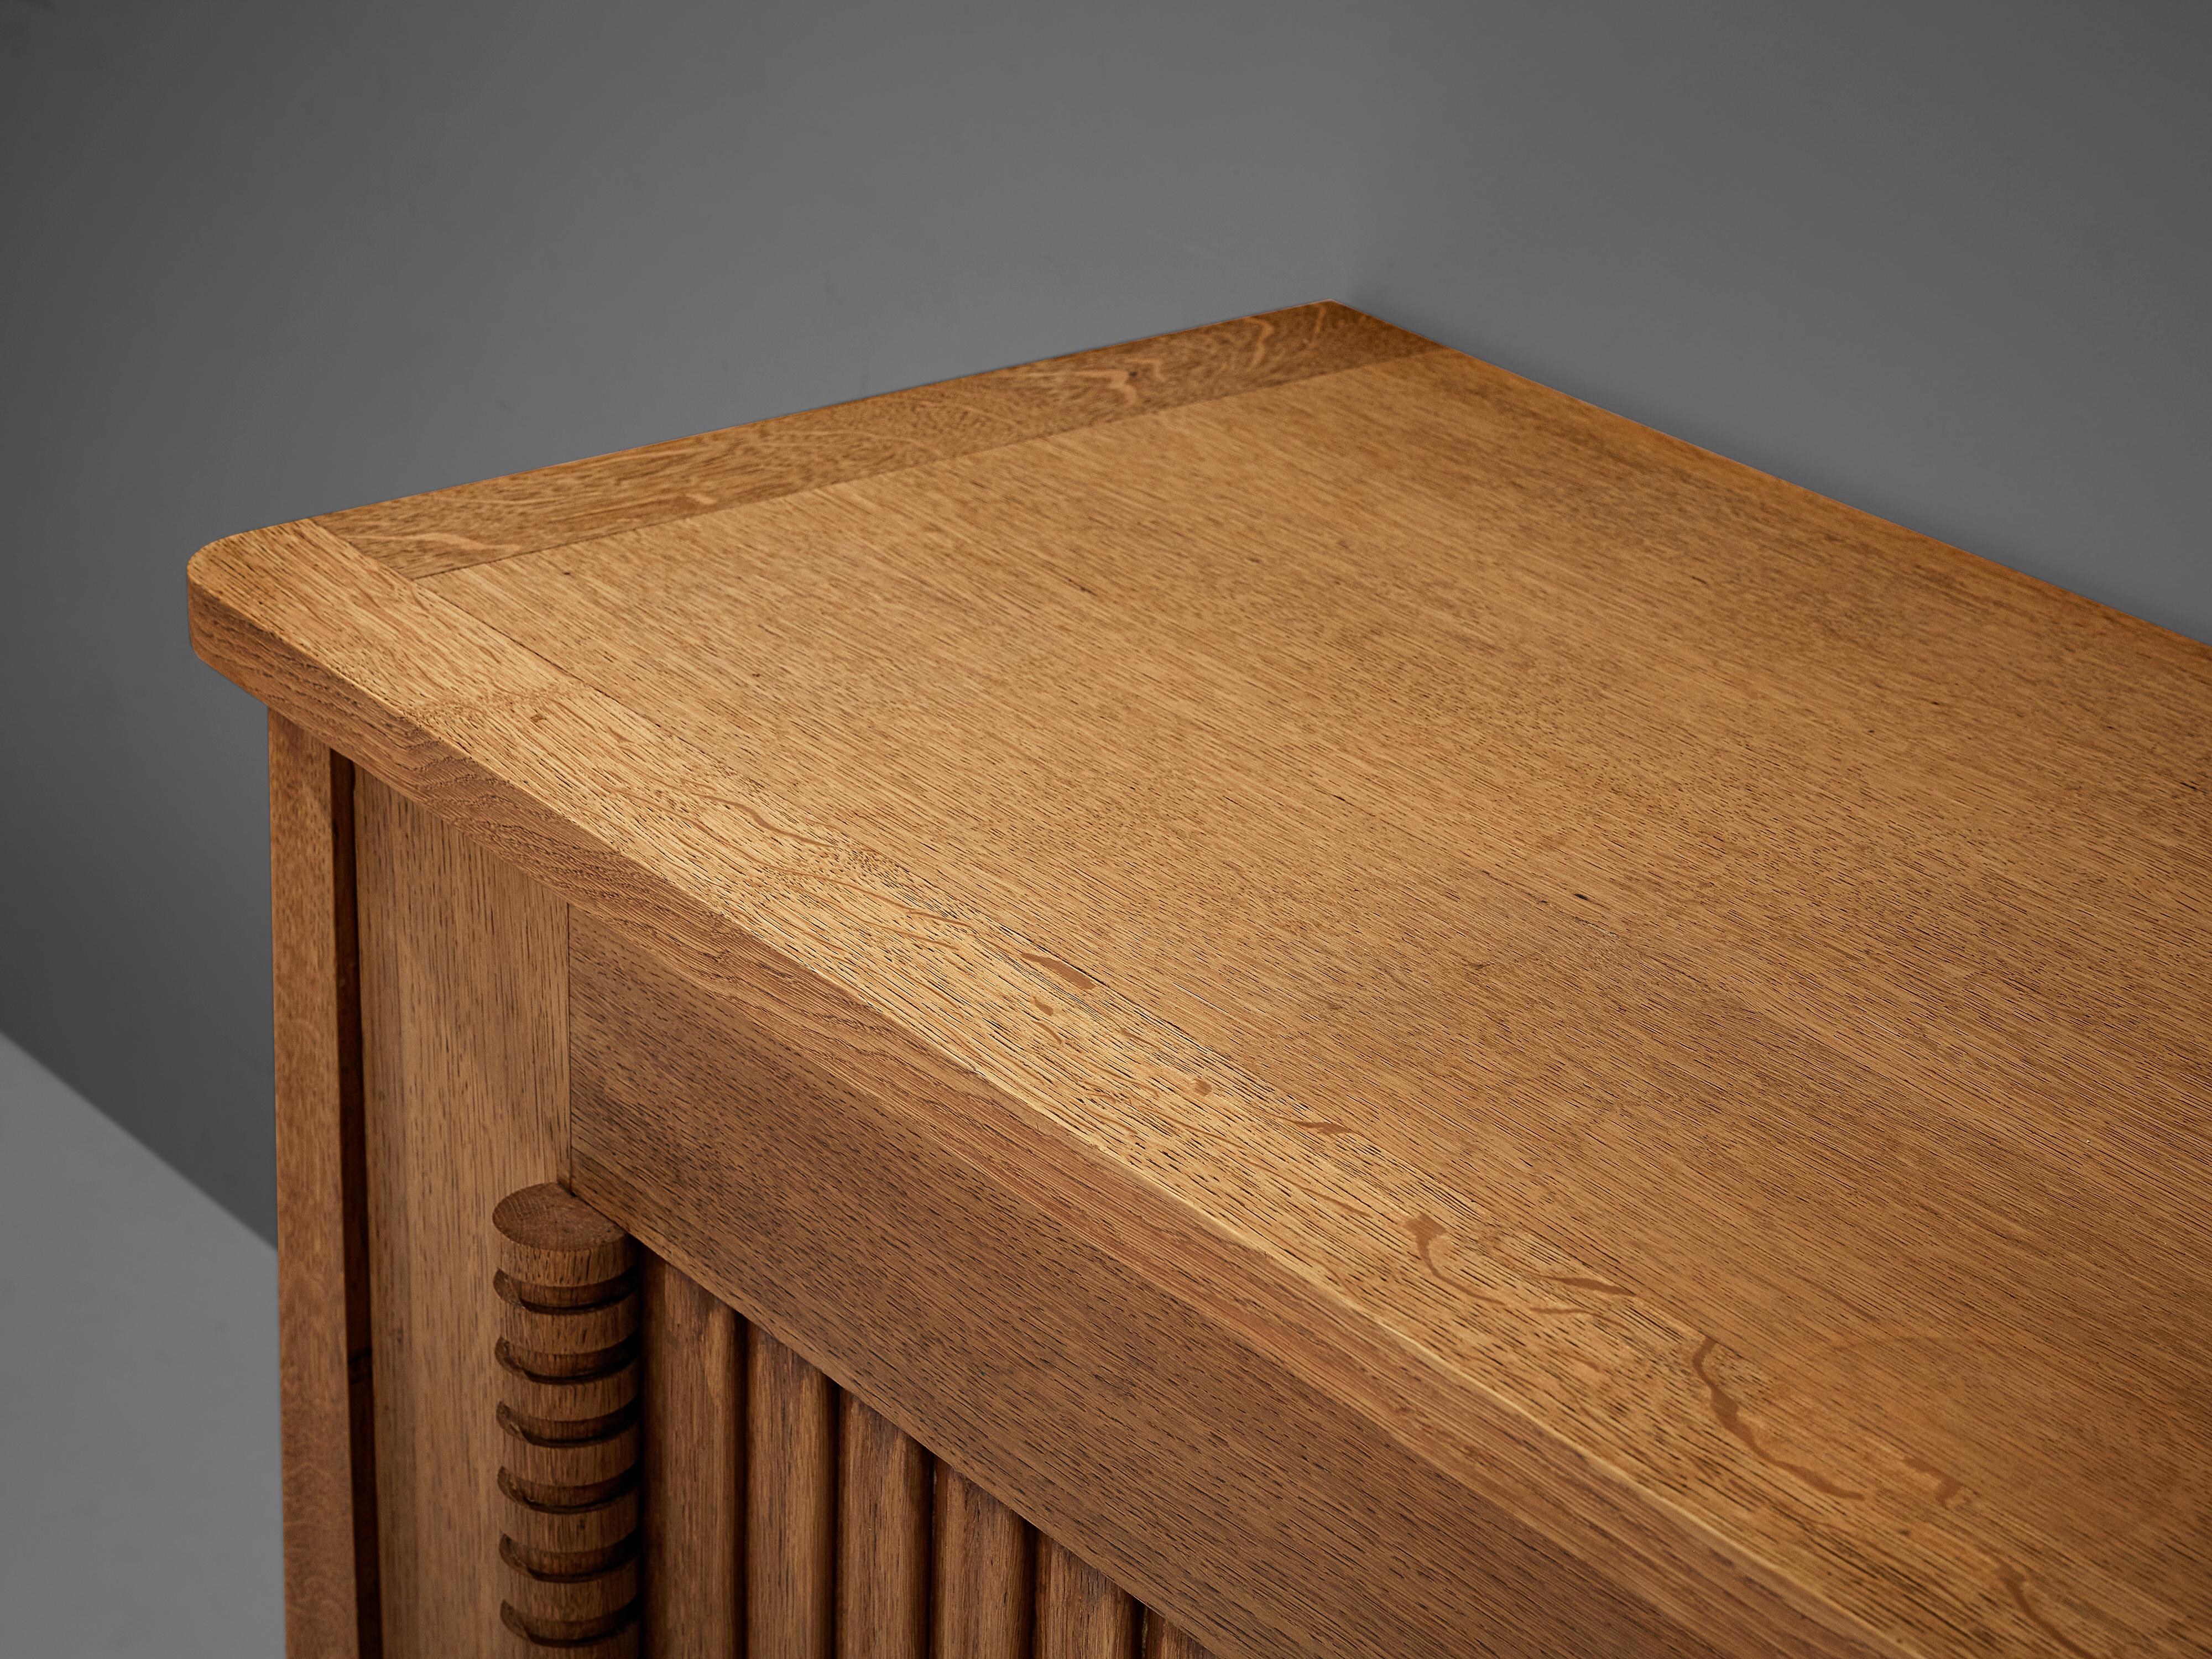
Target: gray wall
x,y
1947,262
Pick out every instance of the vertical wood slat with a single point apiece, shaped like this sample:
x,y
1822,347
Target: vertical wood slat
x,y
791,1511
695,1469
883,1481
855,1541
330,1601
464,980
1164,1641
984,1589
1081,1613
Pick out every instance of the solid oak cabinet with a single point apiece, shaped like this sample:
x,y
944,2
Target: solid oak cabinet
x,y
1261,992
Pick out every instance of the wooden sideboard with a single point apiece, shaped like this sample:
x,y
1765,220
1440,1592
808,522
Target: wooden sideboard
x,y
1261,992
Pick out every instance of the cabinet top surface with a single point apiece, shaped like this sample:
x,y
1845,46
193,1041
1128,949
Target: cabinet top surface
x,y
1722,975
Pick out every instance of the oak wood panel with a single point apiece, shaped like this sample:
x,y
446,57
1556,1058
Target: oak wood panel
x,y
465,1061
472,524
1081,1613
331,1605
1163,1640
1681,1067
983,1582
883,1501
790,1513
1196,1472
694,1471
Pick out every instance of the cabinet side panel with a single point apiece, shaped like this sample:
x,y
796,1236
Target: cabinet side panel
x,y
323,1312
1203,1477
465,1070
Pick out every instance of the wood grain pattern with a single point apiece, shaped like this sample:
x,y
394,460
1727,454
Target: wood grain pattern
x,y
1684,1002
550,1241
475,523
883,1501
465,1063
1081,1613
983,1588
571,1529
1143,1437
331,1603
1164,1641
694,1480
790,1513
551,1326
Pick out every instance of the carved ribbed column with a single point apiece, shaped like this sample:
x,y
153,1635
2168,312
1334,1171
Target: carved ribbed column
x,y
568,1372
